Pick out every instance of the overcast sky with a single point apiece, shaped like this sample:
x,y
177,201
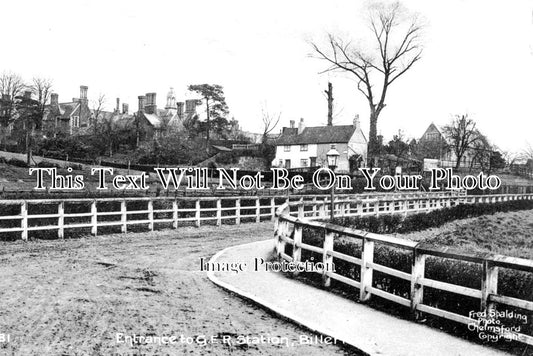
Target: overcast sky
x,y
478,58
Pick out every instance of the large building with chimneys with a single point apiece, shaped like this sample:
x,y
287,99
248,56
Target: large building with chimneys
x,y
71,117
154,122
305,147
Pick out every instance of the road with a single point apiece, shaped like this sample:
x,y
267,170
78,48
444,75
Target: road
x,y
85,296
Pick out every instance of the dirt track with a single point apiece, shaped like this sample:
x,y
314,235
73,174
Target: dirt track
x,y
72,297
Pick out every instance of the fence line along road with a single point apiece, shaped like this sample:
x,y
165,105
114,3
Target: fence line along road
x,y
292,218
25,216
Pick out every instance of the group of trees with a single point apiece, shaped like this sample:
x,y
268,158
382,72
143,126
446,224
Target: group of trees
x,y
22,108
460,137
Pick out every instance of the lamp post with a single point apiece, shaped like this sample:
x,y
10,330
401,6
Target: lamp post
x,y
332,156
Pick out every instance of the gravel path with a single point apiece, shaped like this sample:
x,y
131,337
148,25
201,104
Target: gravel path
x,y
74,297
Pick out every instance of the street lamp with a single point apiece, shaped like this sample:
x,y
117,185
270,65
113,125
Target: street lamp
x,y
332,156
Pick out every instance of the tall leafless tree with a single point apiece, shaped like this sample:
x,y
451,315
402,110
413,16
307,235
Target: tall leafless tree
x,y
270,121
41,89
396,35
11,85
97,111
462,136
527,152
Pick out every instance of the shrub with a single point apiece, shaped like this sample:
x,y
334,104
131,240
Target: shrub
x,y
17,162
48,164
387,224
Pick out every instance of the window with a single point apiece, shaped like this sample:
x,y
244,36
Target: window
x,y
303,162
75,121
287,148
303,148
280,163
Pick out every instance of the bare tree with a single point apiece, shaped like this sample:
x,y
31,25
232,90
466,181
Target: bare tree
x,y
11,86
98,108
463,135
397,38
41,89
270,121
527,152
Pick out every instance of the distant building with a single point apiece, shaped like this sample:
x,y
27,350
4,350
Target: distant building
x,y
301,147
154,122
71,118
433,144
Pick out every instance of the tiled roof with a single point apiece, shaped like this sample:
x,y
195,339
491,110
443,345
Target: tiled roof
x,y
153,119
318,134
62,110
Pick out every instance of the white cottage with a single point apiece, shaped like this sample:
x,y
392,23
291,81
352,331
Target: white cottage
x,y
301,147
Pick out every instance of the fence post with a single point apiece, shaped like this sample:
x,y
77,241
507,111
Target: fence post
x,y
151,215
279,227
61,220
322,208
219,212
301,210
175,213
367,256
327,259
258,209
297,240
376,207
237,211
123,216
94,218
489,285
417,290
197,214
24,220
296,246
273,208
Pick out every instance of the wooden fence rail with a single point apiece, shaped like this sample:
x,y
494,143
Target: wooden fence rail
x,y
292,218
162,210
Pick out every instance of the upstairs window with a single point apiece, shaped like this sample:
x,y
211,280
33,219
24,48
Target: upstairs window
x,y
287,148
303,148
75,121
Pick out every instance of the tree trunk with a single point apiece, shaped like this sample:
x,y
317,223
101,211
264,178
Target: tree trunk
x,y
329,94
29,130
373,138
208,125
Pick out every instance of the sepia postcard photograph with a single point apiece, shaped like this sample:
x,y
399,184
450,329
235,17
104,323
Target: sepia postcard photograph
x,y
345,177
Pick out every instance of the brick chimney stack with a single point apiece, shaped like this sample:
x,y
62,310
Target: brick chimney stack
x,y
54,99
142,101
118,106
291,124
125,108
301,126
356,122
83,92
151,106
179,106
190,106
27,94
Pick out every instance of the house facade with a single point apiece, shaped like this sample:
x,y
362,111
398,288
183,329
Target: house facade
x,y
154,122
70,118
304,147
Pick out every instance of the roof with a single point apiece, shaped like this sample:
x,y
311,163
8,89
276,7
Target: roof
x,y
62,110
317,134
153,119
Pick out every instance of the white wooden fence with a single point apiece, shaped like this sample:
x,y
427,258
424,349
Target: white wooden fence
x,y
289,230
158,211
